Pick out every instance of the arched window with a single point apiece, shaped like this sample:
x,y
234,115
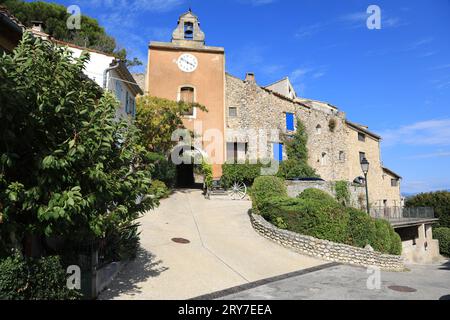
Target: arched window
x,y
188,31
187,94
319,129
341,156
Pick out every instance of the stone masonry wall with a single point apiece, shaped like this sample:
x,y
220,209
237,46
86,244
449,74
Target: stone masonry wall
x,y
326,250
258,108
357,192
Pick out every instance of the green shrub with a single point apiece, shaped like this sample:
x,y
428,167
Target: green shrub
x,y
317,214
246,173
322,219
396,242
443,235
207,171
122,243
293,168
266,187
33,279
361,228
159,189
163,169
316,194
342,192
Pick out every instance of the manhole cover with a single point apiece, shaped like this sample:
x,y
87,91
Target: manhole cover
x,y
181,240
402,289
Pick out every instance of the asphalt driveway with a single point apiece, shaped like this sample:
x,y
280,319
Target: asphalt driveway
x,y
223,251
342,282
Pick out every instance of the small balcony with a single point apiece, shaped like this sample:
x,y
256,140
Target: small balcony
x,y
403,217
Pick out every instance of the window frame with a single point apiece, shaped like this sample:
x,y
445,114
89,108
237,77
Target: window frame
x,y
361,137
232,116
290,121
194,109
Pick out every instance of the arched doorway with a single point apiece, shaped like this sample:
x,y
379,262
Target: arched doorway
x,y
187,173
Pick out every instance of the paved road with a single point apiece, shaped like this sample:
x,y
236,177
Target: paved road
x,y
342,282
224,251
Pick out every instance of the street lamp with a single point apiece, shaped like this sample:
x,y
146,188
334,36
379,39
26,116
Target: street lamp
x,y
365,168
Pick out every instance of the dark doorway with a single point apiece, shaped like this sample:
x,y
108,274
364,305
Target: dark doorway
x,y
185,176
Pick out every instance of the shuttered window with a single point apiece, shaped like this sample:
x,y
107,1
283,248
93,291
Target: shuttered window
x,y
278,152
290,126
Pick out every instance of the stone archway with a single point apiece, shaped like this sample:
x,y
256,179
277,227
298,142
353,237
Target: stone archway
x,y
191,157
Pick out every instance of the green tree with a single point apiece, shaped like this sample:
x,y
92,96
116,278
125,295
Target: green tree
x,y
54,16
439,201
296,148
67,166
158,119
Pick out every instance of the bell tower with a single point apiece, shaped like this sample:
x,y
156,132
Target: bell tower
x,y
188,32
185,69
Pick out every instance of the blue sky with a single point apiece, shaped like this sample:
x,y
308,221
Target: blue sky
x,y
395,80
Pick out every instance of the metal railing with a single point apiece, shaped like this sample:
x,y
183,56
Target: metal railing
x,y
401,214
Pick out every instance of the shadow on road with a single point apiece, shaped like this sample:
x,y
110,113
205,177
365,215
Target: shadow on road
x,y
445,266
127,282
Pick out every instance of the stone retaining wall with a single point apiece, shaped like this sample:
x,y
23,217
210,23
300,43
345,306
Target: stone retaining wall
x,y
326,250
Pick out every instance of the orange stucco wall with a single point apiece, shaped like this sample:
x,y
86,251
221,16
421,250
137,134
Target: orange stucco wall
x,y
164,80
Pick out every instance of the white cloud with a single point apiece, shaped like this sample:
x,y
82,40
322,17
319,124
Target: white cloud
x,y
438,154
424,133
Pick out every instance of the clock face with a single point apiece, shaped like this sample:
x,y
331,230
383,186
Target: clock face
x,y
187,62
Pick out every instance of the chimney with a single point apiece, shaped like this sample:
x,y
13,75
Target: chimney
x,y
37,26
250,77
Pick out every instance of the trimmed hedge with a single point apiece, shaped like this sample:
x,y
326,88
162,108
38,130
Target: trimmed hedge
x,y
266,187
33,279
443,235
315,213
312,217
316,194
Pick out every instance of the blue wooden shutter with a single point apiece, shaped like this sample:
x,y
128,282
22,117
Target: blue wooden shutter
x,y
127,103
290,122
278,152
133,105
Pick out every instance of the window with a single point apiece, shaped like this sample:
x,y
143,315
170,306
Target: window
x,y
341,156
232,112
319,129
394,182
188,31
323,159
187,95
236,151
119,90
361,137
278,152
290,125
362,155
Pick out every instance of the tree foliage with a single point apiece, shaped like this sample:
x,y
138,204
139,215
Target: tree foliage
x,y
54,16
439,201
296,148
67,166
158,119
